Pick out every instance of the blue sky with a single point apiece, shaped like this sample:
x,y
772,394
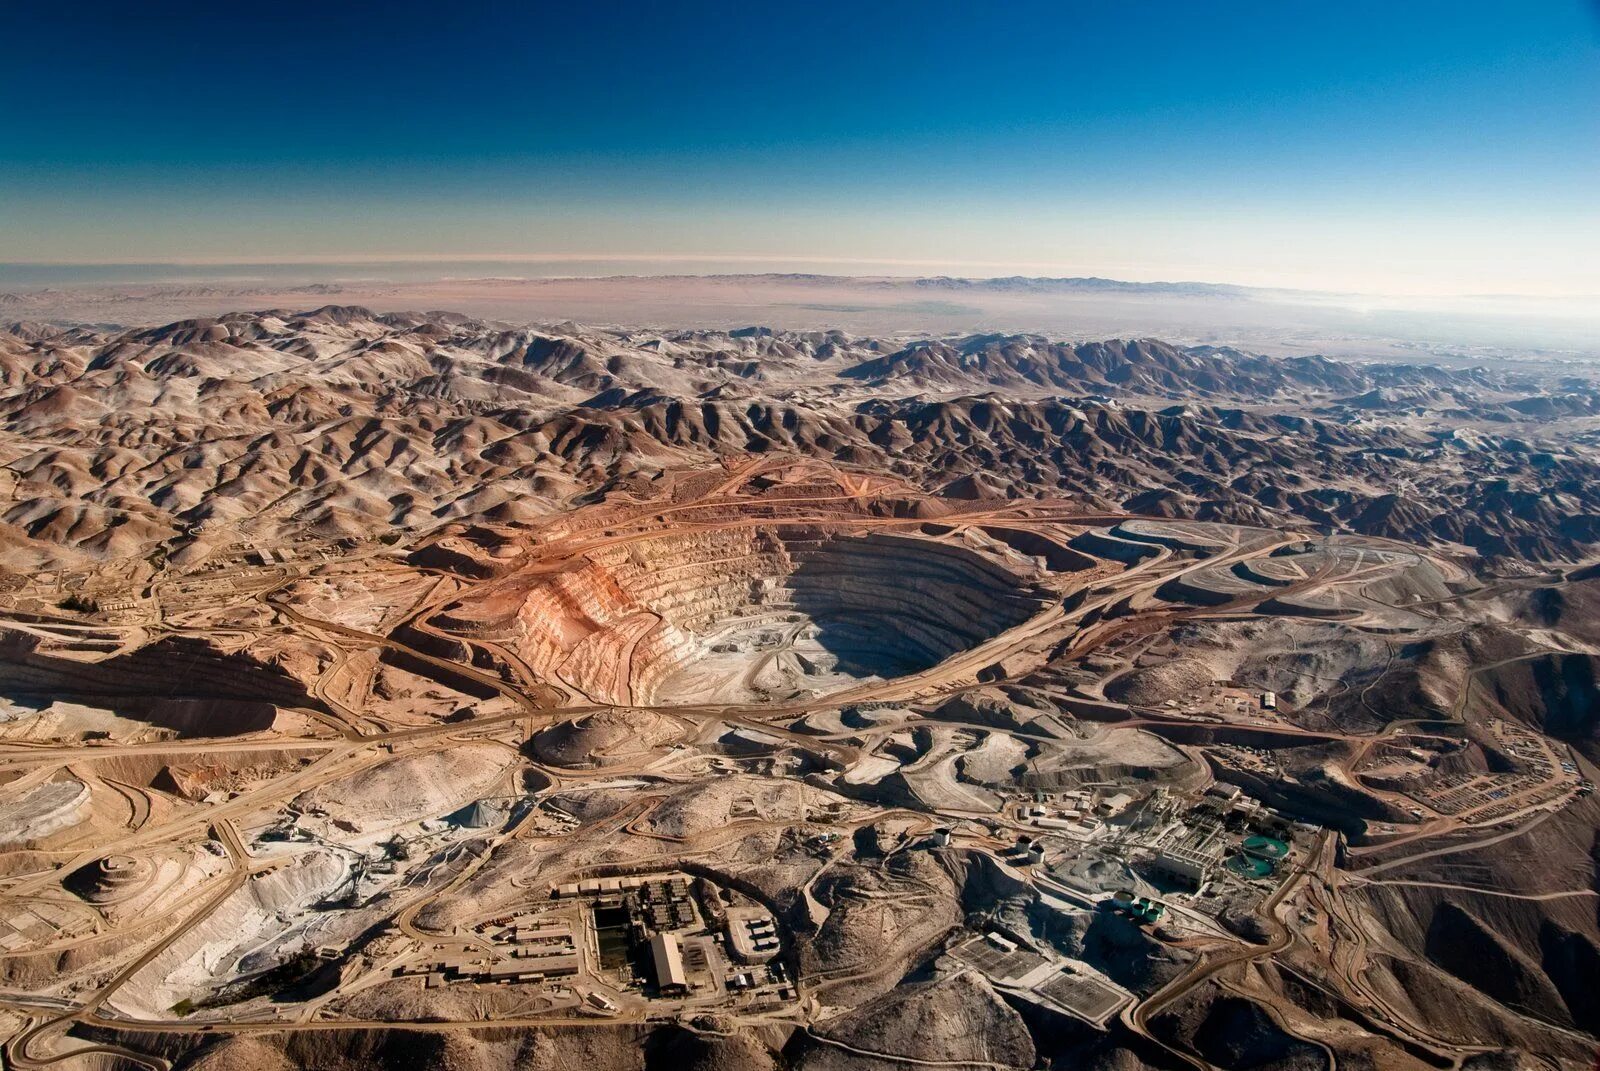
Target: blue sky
x,y
1397,147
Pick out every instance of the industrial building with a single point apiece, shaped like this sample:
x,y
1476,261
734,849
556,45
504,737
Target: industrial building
x,y
1115,804
752,935
1190,866
667,956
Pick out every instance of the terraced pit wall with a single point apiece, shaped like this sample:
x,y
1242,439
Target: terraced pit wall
x,y
619,625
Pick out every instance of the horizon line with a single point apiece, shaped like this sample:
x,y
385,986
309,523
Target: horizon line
x,y
950,270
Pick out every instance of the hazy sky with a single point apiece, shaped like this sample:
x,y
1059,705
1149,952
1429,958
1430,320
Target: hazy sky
x,y
1403,146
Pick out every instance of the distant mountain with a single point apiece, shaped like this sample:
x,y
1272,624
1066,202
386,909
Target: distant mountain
x,y
1081,284
1030,284
1137,367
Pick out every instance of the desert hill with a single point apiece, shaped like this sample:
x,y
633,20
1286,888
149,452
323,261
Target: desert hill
x,y
339,421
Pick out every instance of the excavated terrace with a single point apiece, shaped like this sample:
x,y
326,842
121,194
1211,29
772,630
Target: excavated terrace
x,y
755,613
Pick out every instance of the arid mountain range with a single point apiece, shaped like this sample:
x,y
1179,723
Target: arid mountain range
x,y
342,421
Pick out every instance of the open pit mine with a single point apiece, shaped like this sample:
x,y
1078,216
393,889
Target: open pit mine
x,y
869,748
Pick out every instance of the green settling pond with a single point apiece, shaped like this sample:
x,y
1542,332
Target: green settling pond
x,y
1266,847
1247,866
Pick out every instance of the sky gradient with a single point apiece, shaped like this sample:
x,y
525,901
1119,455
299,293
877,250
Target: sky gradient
x,y
1414,147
